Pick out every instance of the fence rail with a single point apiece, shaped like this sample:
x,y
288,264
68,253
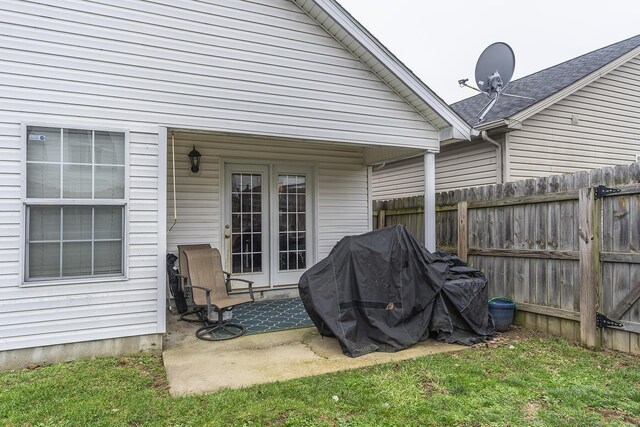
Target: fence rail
x,y
551,245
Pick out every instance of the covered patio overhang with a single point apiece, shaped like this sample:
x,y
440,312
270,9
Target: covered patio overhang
x,y
305,196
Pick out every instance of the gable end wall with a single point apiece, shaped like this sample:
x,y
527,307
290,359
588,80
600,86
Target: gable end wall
x,y
597,126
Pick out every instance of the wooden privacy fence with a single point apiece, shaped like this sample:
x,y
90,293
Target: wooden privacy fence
x,y
408,212
561,249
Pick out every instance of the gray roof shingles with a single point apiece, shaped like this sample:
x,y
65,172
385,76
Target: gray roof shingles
x,y
542,84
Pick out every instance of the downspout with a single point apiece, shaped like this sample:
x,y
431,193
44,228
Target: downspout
x,y
486,138
173,168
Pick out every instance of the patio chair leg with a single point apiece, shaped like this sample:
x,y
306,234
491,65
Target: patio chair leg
x,y
220,331
193,316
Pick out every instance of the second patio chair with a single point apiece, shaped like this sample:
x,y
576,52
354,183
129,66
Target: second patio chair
x,y
209,289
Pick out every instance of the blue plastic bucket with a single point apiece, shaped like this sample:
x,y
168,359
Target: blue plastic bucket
x,y
502,310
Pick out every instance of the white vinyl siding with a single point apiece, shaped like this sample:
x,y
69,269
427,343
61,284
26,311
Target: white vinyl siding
x,y
466,164
46,315
605,130
11,220
259,67
399,179
459,165
219,65
341,185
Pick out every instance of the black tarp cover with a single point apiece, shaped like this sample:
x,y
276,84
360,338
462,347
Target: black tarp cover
x,y
461,311
377,292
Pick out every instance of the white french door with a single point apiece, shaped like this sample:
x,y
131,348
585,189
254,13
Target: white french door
x,y
268,223
246,232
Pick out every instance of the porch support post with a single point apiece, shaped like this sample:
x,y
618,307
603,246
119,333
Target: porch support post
x,y
430,201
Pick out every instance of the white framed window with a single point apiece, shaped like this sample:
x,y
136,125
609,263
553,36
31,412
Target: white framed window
x,y
75,203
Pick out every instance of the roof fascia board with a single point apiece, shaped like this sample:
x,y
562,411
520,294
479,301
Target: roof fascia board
x,y
386,58
545,103
497,124
451,133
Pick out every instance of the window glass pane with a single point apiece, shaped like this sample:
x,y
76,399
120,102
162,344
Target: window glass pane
x,y
283,264
245,183
237,263
109,182
76,223
236,182
108,258
43,144
44,223
283,242
43,180
109,148
44,260
257,262
235,203
108,222
77,182
77,146
76,259
235,223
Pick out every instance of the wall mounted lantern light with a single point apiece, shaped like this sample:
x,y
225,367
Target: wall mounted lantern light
x,y
194,160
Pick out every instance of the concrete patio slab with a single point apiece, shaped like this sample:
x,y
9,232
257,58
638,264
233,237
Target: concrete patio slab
x,y
194,366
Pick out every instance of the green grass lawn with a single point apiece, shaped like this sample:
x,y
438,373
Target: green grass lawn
x,y
526,380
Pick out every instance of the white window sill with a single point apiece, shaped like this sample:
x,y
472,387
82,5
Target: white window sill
x,y
70,281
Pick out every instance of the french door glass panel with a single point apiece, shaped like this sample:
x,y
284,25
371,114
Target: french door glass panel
x,y
246,222
292,214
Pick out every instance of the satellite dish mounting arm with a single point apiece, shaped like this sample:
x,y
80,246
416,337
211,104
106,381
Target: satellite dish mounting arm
x,y
487,108
463,83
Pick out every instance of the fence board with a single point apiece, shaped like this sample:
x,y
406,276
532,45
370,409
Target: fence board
x,y
553,265
525,236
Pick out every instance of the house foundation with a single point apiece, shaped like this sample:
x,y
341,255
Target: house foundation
x,y
22,358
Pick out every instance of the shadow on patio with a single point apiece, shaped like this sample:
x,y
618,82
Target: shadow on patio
x,y
194,366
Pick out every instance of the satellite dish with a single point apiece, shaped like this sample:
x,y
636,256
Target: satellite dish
x,y
494,68
494,71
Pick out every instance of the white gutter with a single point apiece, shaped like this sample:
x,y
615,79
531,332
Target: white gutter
x,y
498,146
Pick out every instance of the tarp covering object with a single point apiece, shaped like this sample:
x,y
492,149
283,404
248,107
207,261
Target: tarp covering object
x,y
379,291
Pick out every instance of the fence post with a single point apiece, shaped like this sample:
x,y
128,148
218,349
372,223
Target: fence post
x,y
463,231
589,218
382,220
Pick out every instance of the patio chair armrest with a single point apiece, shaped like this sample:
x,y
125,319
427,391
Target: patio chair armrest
x,y
226,273
248,282
207,294
207,291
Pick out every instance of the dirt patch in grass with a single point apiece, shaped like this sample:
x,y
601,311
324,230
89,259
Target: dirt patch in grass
x,y
617,414
281,419
145,368
513,336
531,410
